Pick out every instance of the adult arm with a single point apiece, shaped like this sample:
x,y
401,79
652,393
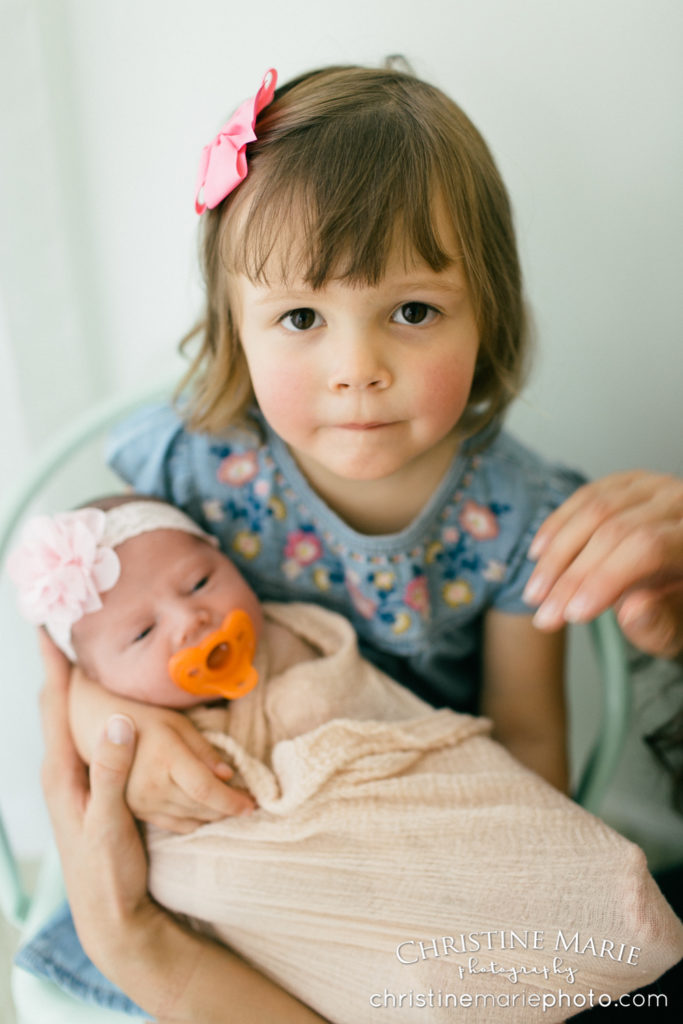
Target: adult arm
x,y
617,541
523,693
170,971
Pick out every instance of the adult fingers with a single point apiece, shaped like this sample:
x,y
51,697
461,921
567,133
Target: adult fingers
x,y
591,522
109,769
64,775
591,505
626,553
107,873
653,620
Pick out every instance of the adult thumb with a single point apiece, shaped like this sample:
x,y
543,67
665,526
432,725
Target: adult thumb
x,y
110,765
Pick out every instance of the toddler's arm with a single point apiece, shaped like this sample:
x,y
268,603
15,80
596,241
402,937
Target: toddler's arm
x,y
178,779
523,693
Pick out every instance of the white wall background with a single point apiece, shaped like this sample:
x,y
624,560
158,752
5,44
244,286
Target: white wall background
x,y
104,108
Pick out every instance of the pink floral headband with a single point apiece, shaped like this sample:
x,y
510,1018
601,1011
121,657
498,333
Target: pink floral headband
x,y
223,163
64,562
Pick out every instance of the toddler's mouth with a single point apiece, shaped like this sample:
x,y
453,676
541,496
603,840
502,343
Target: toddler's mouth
x,y
374,425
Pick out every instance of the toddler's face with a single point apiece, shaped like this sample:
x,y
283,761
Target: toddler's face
x,y
361,380
174,590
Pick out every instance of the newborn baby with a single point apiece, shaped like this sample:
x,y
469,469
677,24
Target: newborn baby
x,y
125,584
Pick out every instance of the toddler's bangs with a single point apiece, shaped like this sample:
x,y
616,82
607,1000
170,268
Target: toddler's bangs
x,y
332,200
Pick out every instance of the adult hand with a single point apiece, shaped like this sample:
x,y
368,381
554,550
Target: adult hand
x,y
617,541
103,859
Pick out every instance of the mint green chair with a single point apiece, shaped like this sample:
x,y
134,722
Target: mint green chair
x,y
38,1002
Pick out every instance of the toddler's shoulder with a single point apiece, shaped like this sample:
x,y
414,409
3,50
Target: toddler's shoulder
x,y
509,471
154,452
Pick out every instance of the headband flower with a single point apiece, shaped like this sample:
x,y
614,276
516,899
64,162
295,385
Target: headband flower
x,y
223,163
61,568
64,562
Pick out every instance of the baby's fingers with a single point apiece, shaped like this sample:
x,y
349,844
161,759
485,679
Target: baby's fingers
x,y
179,826
206,753
204,792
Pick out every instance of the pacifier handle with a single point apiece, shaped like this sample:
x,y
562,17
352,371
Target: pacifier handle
x,y
221,665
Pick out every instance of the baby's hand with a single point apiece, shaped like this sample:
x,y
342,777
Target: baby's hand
x,y
178,780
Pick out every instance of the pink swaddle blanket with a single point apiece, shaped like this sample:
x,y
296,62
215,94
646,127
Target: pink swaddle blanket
x,y
401,864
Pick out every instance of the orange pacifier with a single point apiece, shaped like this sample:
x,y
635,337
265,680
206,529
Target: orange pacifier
x,y
221,665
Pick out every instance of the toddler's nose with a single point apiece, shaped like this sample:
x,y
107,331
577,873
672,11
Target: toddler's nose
x,y
359,366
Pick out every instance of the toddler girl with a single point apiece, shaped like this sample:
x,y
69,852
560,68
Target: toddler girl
x,y
363,336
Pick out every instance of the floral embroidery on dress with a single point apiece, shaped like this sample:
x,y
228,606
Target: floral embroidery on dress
x,y
495,571
433,550
385,579
457,593
363,605
291,569
402,622
247,544
416,595
238,469
213,511
321,578
479,521
396,589
278,508
303,547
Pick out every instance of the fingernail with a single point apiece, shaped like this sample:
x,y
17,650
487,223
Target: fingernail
x,y
121,730
536,548
533,590
642,617
577,609
246,811
546,615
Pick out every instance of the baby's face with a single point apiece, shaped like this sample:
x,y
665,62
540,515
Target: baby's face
x,y
173,591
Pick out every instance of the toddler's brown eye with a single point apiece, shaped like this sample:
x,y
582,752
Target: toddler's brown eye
x,y
414,312
301,319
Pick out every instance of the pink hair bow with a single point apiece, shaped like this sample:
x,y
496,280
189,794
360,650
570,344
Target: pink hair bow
x,y
60,568
223,163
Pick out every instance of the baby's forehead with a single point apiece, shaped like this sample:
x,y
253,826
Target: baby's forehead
x,y
165,545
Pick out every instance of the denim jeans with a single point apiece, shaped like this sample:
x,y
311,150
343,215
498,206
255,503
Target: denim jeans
x,y
55,953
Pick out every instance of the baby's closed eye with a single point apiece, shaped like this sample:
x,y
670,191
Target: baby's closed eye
x,y
143,633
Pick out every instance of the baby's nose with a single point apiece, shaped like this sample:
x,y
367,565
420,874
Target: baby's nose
x,y
192,626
